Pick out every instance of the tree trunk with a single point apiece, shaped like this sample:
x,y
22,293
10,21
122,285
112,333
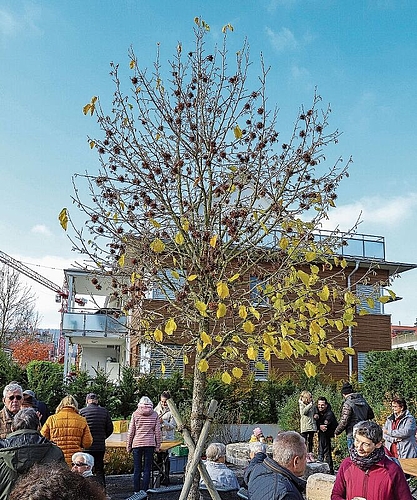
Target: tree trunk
x,y
197,417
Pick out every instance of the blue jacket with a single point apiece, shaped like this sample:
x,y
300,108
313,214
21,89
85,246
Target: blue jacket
x,y
403,435
257,459
269,480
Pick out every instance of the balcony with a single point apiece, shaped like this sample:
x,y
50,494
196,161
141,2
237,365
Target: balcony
x,y
404,341
107,325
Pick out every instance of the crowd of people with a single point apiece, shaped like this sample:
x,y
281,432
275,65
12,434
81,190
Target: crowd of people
x,y
66,449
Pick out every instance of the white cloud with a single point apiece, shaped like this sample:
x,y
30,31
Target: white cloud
x,y
374,211
274,4
282,40
51,268
41,229
25,20
8,24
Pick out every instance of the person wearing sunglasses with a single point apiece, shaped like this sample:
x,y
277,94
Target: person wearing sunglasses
x,y
83,463
12,399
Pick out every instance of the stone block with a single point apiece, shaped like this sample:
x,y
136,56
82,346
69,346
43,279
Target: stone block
x,y
320,486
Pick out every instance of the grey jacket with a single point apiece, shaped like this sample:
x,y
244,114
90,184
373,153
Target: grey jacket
x,y
403,435
354,409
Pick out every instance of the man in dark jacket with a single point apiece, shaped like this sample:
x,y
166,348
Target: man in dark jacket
x,y
326,425
101,426
24,447
257,454
280,478
354,409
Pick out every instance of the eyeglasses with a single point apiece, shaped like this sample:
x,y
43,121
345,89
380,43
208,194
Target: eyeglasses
x,y
11,398
79,464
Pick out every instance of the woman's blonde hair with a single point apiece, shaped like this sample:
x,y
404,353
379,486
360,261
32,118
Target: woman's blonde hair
x,y
67,401
305,396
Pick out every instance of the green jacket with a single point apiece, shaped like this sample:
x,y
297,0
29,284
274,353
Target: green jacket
x,y
19,451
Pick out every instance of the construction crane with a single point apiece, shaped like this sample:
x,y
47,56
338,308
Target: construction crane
x,y
61,293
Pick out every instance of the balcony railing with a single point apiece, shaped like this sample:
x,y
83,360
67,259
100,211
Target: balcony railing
x,y
100,323
405,338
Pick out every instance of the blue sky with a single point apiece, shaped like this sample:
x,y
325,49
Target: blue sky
x,y
55,56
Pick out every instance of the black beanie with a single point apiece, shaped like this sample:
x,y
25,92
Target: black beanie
x,y
347,388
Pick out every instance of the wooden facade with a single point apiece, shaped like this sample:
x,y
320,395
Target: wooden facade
x,y
373,331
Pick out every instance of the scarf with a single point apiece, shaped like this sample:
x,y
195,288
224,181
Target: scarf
x,y
365,463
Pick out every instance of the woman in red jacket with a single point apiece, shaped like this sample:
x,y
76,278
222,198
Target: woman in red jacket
x,y
144,438
368,472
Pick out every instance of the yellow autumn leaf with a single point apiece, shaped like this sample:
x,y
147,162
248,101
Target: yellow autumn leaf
x,y
243,312
237,372
234,278
185,225
157,245
163,367
201,307
238,132
179,239
226,27
384,299
252,353
310,256
205,338
283,243
158,335
222,289
63,218
248,326
255,312
349,350
155,223
175,274
213,241
185,359
226,378
192,277
339,355
132,64
121,260
304,277
339,325
286,348
92,144
324,294
323,356
203,365
170,326
310,369
221,310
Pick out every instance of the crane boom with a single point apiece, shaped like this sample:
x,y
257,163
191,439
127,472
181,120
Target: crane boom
x,y
30,273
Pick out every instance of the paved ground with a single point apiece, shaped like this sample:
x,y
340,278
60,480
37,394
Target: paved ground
x,y
121,487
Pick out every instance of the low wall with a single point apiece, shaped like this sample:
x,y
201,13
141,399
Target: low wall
x,y
236,433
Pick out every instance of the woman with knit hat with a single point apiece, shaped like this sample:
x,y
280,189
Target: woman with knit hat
x,y
144,439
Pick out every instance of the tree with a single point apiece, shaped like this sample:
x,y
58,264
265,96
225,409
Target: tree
x,y
27,349
17,306
199,197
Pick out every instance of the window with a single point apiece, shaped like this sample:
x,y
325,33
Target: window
x,y
256,287
366,294
362,357
166,285
152,358
260,374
